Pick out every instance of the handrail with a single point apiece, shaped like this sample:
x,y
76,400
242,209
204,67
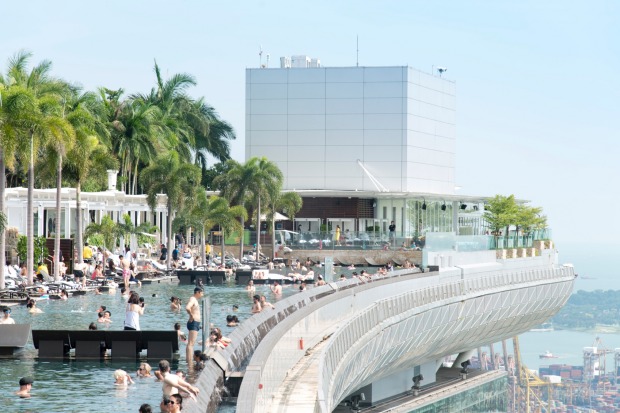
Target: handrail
x,y
333,355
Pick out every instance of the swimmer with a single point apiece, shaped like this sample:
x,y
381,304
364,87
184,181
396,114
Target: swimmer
x,y
92,326
182,336
145,408
320,281
351,267
175,304
144,370
172,383
32,307
97,291
230,321
121,378
264,303
64,295
25,385
256,307
276,288
250,287
6,318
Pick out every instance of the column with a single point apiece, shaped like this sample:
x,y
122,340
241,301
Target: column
x,y
68,220
40,219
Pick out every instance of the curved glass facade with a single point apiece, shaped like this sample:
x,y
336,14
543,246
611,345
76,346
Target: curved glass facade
x,y
486,398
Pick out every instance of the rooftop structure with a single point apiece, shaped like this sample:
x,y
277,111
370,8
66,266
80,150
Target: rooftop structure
x,y
376,129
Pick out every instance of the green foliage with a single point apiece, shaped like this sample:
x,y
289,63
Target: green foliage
x,y
108,230
586,309
40,250
373,228
501,212
2,222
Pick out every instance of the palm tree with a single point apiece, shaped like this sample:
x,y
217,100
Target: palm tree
x,y
57,148
90,154
8,140
257,180
126,228
289,203
236,186
108,229
136,136
193,128
267,186
177,180
36,117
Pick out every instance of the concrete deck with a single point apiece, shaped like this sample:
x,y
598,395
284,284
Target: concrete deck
x,y
298,391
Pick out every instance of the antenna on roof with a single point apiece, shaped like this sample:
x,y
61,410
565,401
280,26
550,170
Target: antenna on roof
x,y
357,44
441,70
260,56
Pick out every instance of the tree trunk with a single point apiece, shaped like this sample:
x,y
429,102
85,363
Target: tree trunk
x,y
57,229
258,231
170,236
30,215
203,254
273,235
78,223
241,238
3,232
222,261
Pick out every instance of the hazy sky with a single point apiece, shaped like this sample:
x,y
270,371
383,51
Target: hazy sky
x,y
537,81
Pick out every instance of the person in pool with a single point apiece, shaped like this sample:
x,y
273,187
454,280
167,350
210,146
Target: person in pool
x,y
121,378
32,307
25,384
6,318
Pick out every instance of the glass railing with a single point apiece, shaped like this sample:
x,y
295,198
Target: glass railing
x,y
384,240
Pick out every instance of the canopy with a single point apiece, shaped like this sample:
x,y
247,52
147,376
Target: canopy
x,y
277,217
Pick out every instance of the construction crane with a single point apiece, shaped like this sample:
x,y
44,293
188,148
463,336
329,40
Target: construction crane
x,y
528,383
530,388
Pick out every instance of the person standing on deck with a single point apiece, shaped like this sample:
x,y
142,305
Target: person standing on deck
x,y
392,229
193,324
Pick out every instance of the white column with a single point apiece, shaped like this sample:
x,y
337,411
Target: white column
x,y
68,220
165,226
40,220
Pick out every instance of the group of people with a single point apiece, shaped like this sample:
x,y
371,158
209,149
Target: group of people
x,y
174,386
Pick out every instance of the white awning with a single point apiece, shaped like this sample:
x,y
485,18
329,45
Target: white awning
x,y
277,217
340,219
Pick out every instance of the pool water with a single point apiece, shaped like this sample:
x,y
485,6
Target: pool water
x,y
88,386
81,386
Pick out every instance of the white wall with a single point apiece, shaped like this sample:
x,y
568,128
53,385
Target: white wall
x,y
315,123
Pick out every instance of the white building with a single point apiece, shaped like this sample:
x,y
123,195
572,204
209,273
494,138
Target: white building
x,y
354,128
383,135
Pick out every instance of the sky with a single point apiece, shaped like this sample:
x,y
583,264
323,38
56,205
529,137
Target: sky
x,y
537,81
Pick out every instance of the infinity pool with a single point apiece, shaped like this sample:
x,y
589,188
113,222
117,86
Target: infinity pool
x,y
87,386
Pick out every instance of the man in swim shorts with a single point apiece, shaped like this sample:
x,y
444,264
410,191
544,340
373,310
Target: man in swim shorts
x,y
126,271
193,324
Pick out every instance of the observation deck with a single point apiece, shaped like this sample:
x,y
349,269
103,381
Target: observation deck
x,y
373,335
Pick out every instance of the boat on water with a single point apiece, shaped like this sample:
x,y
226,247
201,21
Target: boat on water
x,y
548,355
